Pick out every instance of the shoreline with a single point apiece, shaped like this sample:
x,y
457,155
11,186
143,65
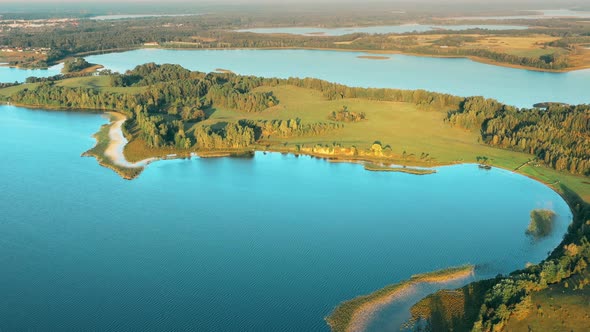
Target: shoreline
x,y
399,169
438,56
354,314
117,142
108,150
373,57
258,148
327,157
126,175
368,51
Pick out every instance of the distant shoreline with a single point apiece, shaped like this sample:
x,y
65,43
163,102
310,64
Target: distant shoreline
x,y
373,57
353,50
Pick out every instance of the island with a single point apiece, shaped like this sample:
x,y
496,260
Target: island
x,y
541,223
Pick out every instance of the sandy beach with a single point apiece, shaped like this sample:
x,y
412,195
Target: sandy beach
x,y
117,142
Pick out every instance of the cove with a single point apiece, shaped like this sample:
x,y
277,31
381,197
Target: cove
x,y
455,76
269,243
384,29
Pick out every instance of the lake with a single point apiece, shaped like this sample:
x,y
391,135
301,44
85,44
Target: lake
x,y
10,75
461,77
404,28
457,76
271,243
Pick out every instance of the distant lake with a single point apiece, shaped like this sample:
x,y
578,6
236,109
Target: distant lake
x,y
455,76
544,14
272,243
405,28
10,75
133,16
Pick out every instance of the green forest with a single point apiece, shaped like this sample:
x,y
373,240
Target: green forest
x,y
75,65
167,100
558,136
214,31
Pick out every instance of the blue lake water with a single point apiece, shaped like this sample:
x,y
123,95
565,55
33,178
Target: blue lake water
x,y
385,29
10,75
463,77
272,243
455,76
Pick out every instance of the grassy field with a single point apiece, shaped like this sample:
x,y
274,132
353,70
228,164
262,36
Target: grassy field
x,y
498,43
26,57
531,46
561,307
407,129
7,92
102,83
551,177
403,126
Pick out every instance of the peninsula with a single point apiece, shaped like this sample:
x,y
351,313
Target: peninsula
x,y
174,112
166,111
352,315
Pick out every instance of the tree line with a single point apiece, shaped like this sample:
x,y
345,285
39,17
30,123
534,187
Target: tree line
x,y
211,31
558,135
289,128
172,99
75,65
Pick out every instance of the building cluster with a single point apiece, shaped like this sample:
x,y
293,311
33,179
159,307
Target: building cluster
x,y
36,50
34,24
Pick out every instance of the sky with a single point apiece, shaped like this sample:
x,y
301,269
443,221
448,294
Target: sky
x,y
556,3
39,6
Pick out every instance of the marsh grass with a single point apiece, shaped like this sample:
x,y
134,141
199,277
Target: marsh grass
x,y
343,316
